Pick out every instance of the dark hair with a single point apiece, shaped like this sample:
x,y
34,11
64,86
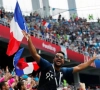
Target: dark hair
x,y
20,83
62,53
78,89
2,84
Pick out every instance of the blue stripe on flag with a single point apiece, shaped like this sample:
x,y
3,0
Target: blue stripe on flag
x,y
97,63
19,18
17,57
19,72
49,25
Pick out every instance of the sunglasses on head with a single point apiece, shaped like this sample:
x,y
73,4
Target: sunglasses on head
x,y
57,56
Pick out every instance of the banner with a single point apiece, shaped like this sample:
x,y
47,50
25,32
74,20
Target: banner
x,y
56,11
90,17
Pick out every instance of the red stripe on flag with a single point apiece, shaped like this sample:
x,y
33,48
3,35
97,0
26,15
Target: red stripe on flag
x,y
36,67
22,64
43,23
13,45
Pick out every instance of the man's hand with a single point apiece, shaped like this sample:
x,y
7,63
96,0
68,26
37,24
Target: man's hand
x,y
32,48
85,64
26,35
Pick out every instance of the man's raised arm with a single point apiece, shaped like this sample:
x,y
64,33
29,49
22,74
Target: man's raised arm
x,y
32,48
84,65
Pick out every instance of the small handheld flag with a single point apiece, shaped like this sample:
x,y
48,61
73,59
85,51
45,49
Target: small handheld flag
x,y
22,67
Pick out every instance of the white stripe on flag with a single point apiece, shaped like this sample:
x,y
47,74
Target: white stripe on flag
x,y
16,30
63,49
29,69
46,25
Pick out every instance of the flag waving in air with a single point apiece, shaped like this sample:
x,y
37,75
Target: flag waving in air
x,y
22,67
46,24
16,26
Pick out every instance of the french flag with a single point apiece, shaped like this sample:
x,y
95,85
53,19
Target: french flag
x,y
16,26
22,67
46,24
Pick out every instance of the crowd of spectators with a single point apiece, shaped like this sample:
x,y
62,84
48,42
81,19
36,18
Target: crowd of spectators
x,y
76,33
10,81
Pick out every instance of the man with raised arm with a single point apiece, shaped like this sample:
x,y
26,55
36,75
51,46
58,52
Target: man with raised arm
x,y
52,75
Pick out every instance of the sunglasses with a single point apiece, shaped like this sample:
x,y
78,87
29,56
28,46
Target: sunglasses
x,y
57,56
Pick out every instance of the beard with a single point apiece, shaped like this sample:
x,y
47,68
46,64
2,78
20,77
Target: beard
x,y
58,66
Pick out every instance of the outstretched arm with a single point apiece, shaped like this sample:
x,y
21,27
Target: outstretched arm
x,y
84,65
32,48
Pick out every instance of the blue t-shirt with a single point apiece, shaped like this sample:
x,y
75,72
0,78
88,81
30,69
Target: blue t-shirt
x,y
47,78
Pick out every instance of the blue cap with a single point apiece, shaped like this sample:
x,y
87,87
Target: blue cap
x,y
24,76
36,79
